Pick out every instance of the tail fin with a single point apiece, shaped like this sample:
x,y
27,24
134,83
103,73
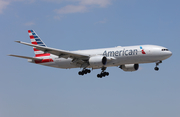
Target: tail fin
x,y
36,40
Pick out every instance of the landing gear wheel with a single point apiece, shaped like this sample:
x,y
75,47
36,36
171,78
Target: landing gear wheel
x,y
106,73
84,71
103,74
99,76
88,71
156,68
157,63
81,73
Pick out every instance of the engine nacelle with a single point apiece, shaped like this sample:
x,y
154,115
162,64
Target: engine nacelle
x,y
98,61
130,67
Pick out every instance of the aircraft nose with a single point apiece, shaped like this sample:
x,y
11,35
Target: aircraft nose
x,y
169,54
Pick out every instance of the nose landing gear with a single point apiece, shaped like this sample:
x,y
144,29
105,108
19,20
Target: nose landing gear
x,y
157,63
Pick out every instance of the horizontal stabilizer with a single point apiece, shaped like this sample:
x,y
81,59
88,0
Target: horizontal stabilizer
x,y
25,57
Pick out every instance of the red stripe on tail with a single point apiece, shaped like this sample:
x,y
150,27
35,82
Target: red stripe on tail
x,y
31,37
36,49
35,43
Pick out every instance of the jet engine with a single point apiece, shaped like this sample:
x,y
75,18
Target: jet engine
x,y
98,61
130,67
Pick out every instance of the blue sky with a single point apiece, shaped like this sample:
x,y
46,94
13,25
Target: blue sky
x,y
29,90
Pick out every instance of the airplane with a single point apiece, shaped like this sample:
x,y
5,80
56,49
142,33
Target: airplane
x,y
127,58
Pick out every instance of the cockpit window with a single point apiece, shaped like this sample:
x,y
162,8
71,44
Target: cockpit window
x,y
165,50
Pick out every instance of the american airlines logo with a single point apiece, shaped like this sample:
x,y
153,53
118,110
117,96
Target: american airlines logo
x,y
142,50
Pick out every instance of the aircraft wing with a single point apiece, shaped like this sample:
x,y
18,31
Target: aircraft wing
x,y
25,57
57,52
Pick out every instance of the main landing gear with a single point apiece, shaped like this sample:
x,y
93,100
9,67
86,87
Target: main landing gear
x,y
157,63
84,71
103,73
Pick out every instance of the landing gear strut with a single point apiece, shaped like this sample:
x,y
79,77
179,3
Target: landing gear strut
x,y
103,73
157,63
84,71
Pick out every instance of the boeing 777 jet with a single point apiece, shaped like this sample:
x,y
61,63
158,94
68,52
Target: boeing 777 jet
x,y
127,58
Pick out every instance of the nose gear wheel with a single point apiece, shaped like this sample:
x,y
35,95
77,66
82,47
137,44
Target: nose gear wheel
x,y
157,64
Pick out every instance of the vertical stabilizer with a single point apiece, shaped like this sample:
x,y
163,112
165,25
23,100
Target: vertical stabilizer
x,y
36,40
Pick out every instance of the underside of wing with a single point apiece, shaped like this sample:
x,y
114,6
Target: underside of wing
x,y
57,52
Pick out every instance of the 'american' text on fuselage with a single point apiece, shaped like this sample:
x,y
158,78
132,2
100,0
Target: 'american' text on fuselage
x,y
120,53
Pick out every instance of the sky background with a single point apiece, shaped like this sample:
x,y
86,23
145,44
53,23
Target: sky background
x,y
29,90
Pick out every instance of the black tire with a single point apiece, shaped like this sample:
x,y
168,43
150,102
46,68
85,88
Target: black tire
x,y
103,74
99,76
156,68
107,73
80,73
